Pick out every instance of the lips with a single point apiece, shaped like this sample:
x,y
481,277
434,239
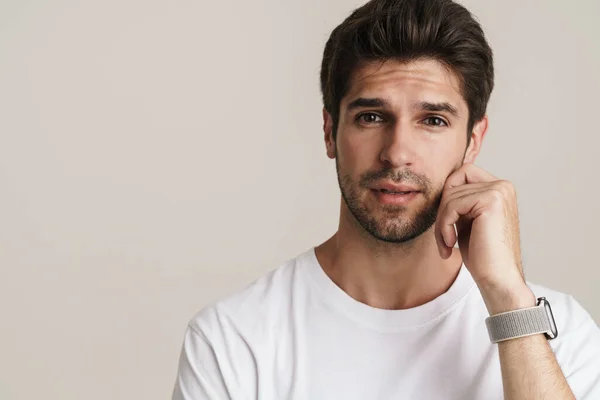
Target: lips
x,y
401,198
393,188
394,192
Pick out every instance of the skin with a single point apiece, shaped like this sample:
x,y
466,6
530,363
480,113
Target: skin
x,y
409,273
409,249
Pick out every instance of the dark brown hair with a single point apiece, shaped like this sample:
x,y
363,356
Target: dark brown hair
x,y
408,30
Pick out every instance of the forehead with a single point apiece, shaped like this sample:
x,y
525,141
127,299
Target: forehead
x,y
419,80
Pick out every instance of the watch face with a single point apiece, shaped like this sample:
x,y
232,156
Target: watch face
x,y
553,334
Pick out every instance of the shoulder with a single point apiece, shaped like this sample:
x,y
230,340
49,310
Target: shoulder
x,y
252,306
569,314
219,352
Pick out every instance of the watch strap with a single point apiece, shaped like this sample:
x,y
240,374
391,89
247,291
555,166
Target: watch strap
x,y
523,322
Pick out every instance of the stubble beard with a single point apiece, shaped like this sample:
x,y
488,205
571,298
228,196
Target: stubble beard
x,y
390,223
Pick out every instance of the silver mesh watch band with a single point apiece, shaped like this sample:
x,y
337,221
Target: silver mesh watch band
x,y
523,322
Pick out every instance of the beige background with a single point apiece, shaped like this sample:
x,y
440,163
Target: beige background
x,y
157,155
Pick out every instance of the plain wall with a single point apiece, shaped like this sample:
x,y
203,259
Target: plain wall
x,y
158,155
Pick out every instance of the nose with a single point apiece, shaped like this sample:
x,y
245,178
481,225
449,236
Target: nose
x,y
398,145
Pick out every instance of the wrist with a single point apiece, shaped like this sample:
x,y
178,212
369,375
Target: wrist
x,y
507,298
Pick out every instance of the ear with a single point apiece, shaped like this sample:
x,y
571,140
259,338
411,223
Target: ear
x,y
328,130
477,135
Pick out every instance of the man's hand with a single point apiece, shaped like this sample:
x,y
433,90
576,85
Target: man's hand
x,y
485,212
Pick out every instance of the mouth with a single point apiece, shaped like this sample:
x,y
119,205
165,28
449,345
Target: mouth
x,y
395,192
390,197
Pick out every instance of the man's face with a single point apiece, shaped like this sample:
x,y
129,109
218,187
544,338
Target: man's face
x,y
402,127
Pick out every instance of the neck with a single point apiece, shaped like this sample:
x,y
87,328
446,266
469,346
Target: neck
x,y
387,275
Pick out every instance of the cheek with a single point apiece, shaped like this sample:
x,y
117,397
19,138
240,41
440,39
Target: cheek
x,y
359,152
446,155
440,172
350,155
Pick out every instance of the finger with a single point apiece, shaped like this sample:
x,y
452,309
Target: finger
x,y
444,250
461,190
455,210
448,195
468,173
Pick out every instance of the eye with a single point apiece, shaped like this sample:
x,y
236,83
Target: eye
x,y
369,118
436,122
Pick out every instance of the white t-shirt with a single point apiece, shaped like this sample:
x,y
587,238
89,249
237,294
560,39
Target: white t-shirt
x,y
294,334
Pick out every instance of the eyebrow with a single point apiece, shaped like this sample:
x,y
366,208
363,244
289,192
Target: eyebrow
x,y
363,102
375,102
438,107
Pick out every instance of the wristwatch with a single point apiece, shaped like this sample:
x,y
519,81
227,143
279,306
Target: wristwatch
x,y
523,322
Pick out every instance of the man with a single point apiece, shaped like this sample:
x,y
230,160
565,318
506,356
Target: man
x,y
389,307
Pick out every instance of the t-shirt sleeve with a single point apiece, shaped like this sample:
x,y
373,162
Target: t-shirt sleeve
x,y
580,354
199,376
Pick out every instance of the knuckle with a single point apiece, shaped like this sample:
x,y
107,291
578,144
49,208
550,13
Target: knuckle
x,y
505,187
497,194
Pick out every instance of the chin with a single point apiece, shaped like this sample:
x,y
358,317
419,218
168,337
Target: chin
x,y
399,228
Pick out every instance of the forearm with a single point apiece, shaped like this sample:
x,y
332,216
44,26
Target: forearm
x,y
530,370
529,367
